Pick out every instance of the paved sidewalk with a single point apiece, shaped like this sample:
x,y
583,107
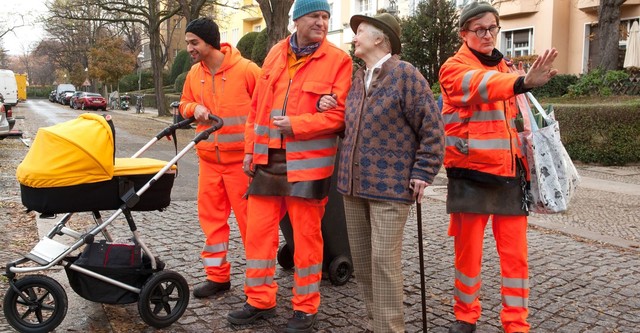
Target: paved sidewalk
x,y
584,267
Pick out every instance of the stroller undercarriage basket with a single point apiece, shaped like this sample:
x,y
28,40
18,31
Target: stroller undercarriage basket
x,y
122,262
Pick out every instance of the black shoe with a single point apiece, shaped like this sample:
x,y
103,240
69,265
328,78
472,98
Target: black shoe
x,y
301,322
462,327
208,288
249,314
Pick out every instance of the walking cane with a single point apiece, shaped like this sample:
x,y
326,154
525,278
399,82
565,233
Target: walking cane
x,y
421,253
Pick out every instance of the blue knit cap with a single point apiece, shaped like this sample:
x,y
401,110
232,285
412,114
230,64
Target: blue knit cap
x,y
304,7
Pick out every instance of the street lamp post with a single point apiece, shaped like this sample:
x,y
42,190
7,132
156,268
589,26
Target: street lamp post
x,y
140,58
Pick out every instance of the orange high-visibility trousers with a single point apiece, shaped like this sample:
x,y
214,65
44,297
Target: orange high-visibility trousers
x,y
510,233
261,247
220,188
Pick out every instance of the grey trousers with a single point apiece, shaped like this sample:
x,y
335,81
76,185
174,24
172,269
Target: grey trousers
x,y
375,230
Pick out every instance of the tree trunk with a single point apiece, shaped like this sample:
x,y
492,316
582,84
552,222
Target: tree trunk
x,y
609,33
157,64
276,16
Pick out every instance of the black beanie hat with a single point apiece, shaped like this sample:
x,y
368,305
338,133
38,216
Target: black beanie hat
x,y
206,29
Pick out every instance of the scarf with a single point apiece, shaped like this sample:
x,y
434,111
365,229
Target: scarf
x,y
301,51
492,60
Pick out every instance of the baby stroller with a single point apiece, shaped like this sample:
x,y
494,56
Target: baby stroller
x,y
71,168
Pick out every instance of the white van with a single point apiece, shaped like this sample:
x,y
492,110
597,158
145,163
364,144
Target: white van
x,y
61,88
8,88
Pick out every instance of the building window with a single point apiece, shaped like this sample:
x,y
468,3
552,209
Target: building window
x,y
331,17
235,34
223,37
178,23
257,28
517,43
365,7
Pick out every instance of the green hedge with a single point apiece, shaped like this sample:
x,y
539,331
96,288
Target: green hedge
x,y
606,135
39,92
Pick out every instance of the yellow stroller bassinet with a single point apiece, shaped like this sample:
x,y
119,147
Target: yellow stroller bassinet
x,y
71,167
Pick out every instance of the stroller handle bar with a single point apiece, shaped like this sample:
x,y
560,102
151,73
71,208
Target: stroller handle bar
x,y
171,129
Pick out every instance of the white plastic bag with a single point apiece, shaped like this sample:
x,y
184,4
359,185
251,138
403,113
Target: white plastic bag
x,y
554,178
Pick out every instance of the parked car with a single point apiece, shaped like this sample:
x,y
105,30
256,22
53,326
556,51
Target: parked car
x,y
52,96
74,97
8,88
90,101
8,114
4,123
65,97
61,88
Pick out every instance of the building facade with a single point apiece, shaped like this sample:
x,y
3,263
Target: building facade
x,y
528,26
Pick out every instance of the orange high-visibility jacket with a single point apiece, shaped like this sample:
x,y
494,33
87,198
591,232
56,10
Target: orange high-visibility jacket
x,y
479,109
227,94
311,152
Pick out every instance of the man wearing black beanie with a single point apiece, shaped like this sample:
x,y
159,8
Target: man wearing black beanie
x,y
220,82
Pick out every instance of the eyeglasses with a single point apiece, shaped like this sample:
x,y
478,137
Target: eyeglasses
x,y
481,32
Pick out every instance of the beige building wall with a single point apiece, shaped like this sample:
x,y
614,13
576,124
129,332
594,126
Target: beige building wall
x,y
234,23
563,24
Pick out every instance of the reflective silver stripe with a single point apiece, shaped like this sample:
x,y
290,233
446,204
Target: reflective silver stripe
x,y
214,262
237,120
275,112
260,130
304,272
261,263
515,283
258,281
512,123
298,146
451,118
490,144
490,115
215,248
308,289
516,301
467,281
466,298
259,148
310,163
236,137
451,140
482,89
466,83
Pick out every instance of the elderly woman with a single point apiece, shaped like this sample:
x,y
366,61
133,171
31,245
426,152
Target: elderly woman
x,y
486,170
392,150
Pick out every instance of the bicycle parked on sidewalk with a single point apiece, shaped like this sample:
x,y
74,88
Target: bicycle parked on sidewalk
x,y
139,103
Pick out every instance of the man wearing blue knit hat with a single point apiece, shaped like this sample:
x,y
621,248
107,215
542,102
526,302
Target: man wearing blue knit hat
x,y
290,150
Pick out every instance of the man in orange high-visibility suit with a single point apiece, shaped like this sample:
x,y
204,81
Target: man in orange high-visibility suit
x,y
486,170
220,82
292,146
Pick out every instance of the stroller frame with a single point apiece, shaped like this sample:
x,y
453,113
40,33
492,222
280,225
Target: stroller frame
x,y
37,293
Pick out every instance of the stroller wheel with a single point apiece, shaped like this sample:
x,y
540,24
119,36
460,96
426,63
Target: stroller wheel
x,y
38,303
163,299
340,270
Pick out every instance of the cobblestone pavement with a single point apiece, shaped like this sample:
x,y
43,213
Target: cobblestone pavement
x,y
581,280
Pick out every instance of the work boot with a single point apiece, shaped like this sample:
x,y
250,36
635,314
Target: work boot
x,y
462,327
301,322
249,314
208,288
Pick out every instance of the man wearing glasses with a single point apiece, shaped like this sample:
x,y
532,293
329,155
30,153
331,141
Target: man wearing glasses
x,y
486,170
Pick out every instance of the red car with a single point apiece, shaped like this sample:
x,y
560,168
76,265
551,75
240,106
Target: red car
x,y
89,101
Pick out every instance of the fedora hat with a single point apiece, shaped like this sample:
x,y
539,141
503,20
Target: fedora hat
x,y
386,22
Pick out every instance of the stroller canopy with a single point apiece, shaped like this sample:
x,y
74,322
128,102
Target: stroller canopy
x,y
78,151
